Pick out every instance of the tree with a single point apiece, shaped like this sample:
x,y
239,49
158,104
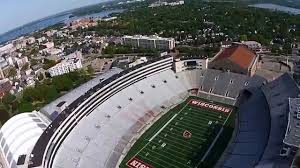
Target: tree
x,y
51,94
62,83
40,77
33,62
8,98
48,63
29,94
90,70
25,66
3,108
12,72
4,114
34,51
25,106
243,37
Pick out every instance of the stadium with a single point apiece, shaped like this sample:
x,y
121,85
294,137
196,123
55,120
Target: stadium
x,y
167,112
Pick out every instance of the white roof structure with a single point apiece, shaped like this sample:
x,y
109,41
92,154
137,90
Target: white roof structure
x,y
19,134
153,37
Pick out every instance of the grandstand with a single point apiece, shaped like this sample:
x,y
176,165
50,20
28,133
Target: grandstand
x,y
263,115
101,120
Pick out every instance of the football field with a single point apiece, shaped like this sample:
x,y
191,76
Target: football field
x,y
193,134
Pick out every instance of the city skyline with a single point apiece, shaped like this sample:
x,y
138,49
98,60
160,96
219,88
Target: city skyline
x,y
33,10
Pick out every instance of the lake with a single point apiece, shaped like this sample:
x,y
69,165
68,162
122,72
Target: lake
x,y
49,21
277,8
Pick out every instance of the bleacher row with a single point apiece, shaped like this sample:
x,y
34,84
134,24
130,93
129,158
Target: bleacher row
x,y
119,119
225,86
251,135
277,93
262,125
96,129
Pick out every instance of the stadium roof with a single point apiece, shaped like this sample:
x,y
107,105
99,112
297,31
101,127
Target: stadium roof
x,y
19,134
238,54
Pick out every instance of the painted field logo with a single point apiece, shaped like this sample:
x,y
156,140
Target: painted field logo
x,y
136,163
187,134
212,106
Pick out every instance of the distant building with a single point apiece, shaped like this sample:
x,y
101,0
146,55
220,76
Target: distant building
x,y
106,19
23,42
51,51
6,48
188,64
21,62
40,40
69,64
30,40
49,45
4,88
237,59
138,61
50,33
149,42
4,71
161,3
226,44
83,23
38,69
253,45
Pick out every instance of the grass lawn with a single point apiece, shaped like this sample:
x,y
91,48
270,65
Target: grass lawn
x,y
187,136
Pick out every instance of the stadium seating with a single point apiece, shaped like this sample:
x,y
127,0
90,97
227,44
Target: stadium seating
x,y
252,133
277,93
225,86
262,125
115,111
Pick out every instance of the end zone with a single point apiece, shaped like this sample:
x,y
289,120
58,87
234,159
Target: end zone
x,y
137,163
207,105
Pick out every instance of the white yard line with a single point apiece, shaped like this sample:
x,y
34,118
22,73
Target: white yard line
x,y
214,141
164,126
211,146
170,120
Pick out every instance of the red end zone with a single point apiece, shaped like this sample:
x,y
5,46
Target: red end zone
x,y
207,105
136,163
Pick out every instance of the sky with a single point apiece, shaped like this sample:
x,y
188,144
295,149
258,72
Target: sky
x,y
15,13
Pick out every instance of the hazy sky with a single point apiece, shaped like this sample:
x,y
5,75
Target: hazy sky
x,y
15,13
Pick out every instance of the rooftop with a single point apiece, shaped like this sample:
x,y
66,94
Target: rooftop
x,y
238,54
5,87
153,37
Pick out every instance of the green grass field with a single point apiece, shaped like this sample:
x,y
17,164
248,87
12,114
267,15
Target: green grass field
x,y
163,145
